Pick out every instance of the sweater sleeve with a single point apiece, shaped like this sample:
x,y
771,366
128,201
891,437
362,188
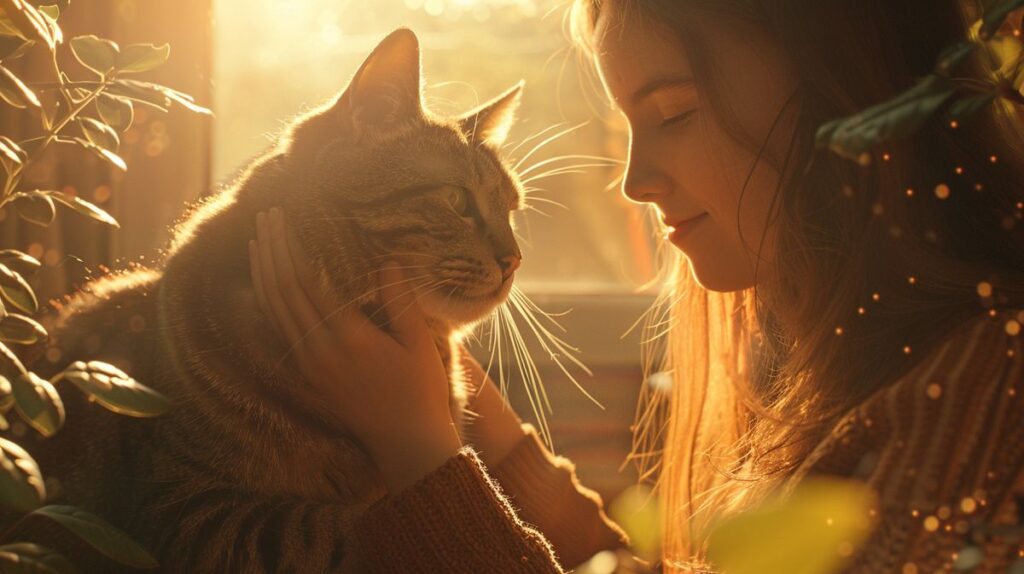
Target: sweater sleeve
x,y
944,450
455,520
547,494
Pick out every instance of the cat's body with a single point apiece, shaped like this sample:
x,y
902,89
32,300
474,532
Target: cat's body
x,y
250,471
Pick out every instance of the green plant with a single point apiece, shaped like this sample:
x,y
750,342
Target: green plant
x,y
853,137
88,113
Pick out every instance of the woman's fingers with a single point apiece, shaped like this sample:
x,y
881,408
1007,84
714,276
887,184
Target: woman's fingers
x,y
307,276
292,293
278,310
404,315
256,278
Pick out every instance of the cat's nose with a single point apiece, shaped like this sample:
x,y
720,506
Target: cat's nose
x,y
508,265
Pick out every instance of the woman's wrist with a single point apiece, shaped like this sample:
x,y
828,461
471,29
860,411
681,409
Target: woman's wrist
x,y
403,461
496,429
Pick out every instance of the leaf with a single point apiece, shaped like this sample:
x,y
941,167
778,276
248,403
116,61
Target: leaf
x,y
188,101
97,54
899,117
6,395
807,533
27,558
637,511
100,134
1006,53
954,55
140,93
156,95
49,15
10,152
16,290
28,21
963,109
22,330
104,154
53,11
100,535
20,262
15,92
118,113
136,58
84,207
114,389
37,401
10,364
34,206
12,47
15,147
61,5
21,483
995,15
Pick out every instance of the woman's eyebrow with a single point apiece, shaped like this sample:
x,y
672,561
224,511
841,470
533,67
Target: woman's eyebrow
x,y
660,84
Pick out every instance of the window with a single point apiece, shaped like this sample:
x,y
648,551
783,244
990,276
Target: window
x,y
275,58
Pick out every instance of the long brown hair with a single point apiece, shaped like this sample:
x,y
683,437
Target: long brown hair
x,y
872,265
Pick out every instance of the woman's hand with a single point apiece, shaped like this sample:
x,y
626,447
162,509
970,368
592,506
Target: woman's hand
x,y
390,389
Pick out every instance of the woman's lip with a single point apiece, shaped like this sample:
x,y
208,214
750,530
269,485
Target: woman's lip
x,y
683,228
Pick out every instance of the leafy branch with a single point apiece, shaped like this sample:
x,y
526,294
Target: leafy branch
x,y
962,97
88,113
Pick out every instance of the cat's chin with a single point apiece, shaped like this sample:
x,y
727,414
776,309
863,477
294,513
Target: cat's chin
x,y
462,309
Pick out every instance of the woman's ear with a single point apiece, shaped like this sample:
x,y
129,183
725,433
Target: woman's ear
x,y
490,123
387,88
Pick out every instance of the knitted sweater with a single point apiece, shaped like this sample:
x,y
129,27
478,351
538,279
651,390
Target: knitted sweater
x,y
943,446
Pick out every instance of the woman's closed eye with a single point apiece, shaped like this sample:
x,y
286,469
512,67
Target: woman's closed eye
x,y
678,118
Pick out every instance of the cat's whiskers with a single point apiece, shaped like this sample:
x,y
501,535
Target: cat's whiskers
x,y
551,343
529,139
532,198
563,170
506,331
602,161
546,141
535,392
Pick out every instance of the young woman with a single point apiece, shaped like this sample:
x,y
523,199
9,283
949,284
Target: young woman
x,y
829,317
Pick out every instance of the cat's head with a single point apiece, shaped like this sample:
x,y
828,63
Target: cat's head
x,y
379,177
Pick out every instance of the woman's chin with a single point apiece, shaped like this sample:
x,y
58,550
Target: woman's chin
x,y
718,276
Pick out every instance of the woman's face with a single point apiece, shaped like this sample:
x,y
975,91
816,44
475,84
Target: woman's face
x,y
680,157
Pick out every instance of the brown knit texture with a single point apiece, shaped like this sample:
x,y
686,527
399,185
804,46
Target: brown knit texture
x,y
455,520
944,449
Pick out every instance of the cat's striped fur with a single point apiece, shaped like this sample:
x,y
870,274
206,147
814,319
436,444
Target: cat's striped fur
x,y
250,471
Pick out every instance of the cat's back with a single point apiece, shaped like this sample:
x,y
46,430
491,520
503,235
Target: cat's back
x,y
111,319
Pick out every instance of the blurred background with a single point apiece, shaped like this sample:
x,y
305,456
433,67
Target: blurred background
x,y
274,58
589,257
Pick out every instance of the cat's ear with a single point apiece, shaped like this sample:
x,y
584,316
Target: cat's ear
x,y
490,123
387,87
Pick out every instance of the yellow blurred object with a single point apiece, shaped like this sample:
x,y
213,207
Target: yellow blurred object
x,y
638,512
812,531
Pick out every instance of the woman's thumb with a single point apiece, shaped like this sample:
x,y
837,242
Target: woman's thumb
x,y
398,296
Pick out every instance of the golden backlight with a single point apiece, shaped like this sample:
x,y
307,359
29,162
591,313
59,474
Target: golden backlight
x,y
275,58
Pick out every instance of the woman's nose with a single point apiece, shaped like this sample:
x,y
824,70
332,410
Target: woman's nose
x,y
645,186
643,181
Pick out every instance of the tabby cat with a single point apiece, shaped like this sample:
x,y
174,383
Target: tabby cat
x,y
250,471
